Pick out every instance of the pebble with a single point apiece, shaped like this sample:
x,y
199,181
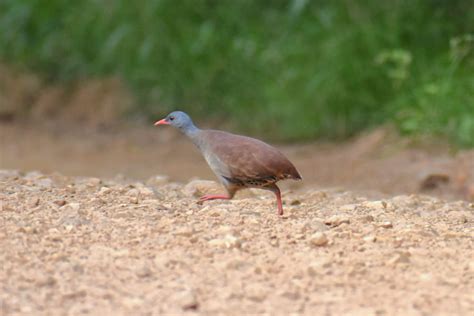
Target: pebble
x,y
401,257
256,293
376,205
185,232
335,221
313,226
318,267
318,239
348,207
143,271
104,191
146,192
228,241
366,219
386,224
34,201
132,302
133,192
370,238
295,202
92,182
218,212
60,202
187,300
74,206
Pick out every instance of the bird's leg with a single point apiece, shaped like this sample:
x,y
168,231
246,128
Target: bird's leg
x,y
275,189
209,197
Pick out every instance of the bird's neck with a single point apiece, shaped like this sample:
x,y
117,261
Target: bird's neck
x,y
192,132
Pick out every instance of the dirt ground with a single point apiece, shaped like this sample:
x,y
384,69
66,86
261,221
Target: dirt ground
x,y
74,245
360,235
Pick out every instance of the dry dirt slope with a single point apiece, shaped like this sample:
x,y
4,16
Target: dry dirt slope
x,y
72,246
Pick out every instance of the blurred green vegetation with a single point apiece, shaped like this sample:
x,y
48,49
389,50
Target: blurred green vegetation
x,y
291,70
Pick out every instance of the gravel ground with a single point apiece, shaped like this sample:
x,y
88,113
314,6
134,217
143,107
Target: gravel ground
x,y
72,246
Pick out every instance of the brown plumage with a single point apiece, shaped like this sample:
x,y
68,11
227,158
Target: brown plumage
x,y
238,161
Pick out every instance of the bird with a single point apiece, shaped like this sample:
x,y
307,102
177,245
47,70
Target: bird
x,y
239,162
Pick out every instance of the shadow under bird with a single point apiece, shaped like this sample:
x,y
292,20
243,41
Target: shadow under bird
x,y
239,162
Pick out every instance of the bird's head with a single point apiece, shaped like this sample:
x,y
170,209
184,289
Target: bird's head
x,y
177,119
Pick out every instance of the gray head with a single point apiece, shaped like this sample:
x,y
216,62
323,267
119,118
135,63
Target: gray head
x,y
180,120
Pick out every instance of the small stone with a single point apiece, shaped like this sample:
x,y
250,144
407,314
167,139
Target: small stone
x,y
348,207
146,192
235,264
426,277
188,300
318,267
366,218
104,191
132,302
143,271
256,293
370,238
318,239
401,257
229,241
274,243
185,232
60,202
376,205
386,224
92,182
295,202
74,206
48,281
335,221
133,192
34,201
218,212
292,295
299,236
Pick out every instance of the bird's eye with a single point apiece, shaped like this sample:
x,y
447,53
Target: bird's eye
x,y
171,118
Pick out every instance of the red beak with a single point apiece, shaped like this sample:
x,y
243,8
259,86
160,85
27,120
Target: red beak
x,y
162,122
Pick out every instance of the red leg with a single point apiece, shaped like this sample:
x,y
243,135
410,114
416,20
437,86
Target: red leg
x,y
280,206
274,188
209,197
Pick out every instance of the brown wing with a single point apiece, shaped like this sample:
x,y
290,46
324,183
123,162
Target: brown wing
x,y
248,159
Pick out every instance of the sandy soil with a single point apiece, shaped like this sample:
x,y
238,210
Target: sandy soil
x,y
360,235
74,245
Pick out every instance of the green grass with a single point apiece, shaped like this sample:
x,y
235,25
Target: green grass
x,y
291,70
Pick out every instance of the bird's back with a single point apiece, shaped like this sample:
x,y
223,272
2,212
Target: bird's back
x,y
245,159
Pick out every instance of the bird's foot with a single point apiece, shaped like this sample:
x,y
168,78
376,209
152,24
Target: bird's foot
x,y
209,197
